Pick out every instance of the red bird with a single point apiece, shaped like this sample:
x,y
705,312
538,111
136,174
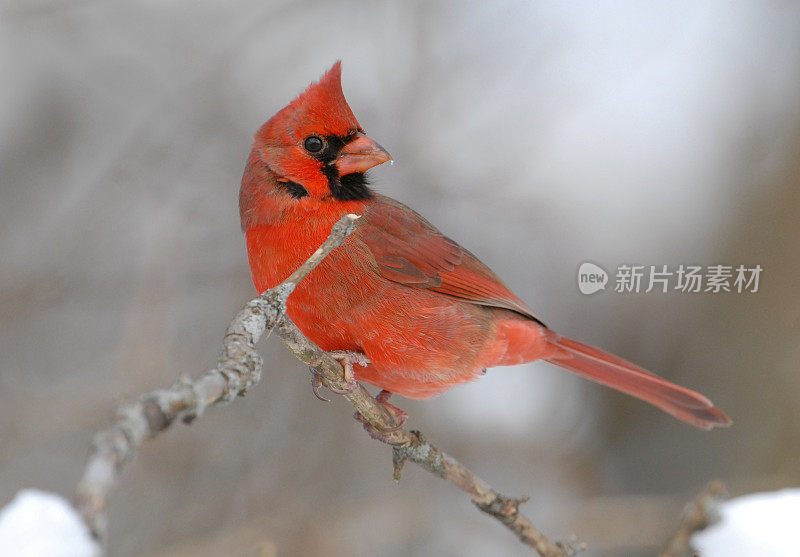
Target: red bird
x,y
424,312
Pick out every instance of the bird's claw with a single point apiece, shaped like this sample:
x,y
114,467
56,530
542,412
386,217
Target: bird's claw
x,y
349,356
399,416
316,382
346,359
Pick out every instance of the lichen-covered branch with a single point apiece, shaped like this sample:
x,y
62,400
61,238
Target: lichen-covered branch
x,y
700,513
411,446
238,369
505,509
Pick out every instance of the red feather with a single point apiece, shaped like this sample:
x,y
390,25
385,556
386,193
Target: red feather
x,y
425,311
410,251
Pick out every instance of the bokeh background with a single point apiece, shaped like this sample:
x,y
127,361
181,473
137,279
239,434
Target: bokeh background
x,y
538,134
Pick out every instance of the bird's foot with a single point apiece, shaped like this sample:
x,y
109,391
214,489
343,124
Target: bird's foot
x,y
346,359
349,357
399,416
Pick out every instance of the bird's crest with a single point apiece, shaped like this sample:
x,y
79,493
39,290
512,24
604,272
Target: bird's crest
x,y
321,108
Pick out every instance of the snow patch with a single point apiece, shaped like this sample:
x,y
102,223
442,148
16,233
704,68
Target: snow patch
x,y
763,524
39,524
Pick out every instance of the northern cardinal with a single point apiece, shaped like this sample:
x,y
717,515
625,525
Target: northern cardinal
x,y
424,312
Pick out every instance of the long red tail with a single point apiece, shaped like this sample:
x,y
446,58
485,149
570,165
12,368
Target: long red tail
x,y
612,371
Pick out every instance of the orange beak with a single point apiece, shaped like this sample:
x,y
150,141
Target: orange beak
x,y
360,155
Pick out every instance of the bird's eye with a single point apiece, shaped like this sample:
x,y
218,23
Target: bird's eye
x,y
313,144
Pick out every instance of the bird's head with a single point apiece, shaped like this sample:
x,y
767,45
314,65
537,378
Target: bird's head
x,y
316,147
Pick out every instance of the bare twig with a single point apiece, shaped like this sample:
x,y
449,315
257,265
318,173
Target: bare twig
x,y
412,446
700,513
238,369
505,509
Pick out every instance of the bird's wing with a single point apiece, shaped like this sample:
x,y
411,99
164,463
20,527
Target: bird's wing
x,y
410,251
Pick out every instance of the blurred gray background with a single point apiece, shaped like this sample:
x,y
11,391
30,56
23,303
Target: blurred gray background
x,y
537,134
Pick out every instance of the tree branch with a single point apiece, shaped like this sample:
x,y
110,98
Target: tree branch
x,y
505,509
238,369
412,446
700,513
